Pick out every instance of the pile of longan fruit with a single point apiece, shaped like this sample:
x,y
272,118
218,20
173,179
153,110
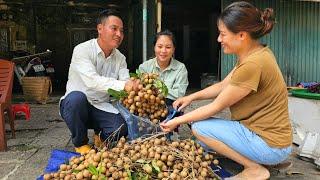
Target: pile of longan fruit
x,y
154,158
148,102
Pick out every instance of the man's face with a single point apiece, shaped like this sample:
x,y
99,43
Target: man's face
x,y
111,32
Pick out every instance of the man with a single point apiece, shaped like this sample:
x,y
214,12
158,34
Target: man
x,y
96,66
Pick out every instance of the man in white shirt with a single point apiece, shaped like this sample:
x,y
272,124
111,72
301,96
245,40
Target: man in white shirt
x,y
96,66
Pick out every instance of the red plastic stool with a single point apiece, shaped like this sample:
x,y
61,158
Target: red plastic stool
x,y
18,108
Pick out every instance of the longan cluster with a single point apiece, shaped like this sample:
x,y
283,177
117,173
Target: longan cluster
x,y
154,158
148,101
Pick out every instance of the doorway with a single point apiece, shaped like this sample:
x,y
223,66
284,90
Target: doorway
x,y
195,29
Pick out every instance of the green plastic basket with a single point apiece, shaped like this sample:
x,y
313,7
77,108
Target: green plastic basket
x,y
303,93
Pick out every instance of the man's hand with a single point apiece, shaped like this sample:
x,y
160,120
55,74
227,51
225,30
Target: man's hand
x,y
169,125
132,85
181,103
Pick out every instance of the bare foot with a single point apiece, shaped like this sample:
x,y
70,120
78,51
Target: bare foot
x,y
254,173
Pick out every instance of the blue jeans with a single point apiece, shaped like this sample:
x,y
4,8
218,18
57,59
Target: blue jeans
x,y
241,139
80,116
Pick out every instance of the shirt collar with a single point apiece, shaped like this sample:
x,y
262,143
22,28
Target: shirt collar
x,y
99,50
172,65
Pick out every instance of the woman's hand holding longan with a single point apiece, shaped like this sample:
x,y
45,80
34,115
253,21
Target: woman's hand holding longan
x,y
169,125
181,103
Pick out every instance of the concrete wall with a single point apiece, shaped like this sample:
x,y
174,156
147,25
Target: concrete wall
x,y
305,116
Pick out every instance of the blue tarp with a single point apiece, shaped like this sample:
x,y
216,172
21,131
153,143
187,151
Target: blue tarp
x,y
57,158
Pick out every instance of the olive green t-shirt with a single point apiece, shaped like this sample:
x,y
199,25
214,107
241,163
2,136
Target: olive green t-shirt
x,y
265,109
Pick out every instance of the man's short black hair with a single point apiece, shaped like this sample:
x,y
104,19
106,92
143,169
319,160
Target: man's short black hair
x,y
103,15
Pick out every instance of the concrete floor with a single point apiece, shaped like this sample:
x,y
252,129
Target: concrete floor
x,y
28,154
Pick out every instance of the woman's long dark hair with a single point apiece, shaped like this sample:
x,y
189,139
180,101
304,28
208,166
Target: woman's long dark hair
x,y
243,16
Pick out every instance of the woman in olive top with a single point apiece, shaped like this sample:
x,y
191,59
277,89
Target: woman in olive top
x,y
172,72
260,131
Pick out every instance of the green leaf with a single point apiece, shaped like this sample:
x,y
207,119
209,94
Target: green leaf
x,y
138,176
93,170
99,170
155,167
134,75
145,177
114,93
117,94
129,174
135,176
138,72
146,166
123,94
158,83
141,176
102,177
142,161
75,171
161,86
165,91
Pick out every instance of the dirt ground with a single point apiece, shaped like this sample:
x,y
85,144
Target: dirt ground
x,y
28,154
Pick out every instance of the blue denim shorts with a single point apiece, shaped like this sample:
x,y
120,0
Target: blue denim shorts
x,y
241,139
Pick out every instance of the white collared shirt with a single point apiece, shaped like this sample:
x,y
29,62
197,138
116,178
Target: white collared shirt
x,y
93,74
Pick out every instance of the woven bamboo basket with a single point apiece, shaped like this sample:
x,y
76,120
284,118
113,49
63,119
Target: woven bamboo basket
x,y
36,88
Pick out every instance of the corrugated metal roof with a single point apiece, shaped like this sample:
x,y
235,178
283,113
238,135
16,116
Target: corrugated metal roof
x,y
295,40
